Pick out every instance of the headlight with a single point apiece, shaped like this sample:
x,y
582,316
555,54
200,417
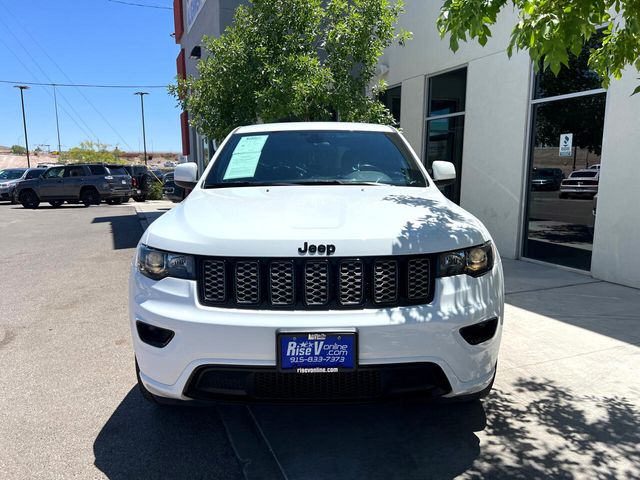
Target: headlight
x,y
158,264
474,261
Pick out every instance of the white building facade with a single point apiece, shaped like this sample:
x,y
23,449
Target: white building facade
x,y
502,124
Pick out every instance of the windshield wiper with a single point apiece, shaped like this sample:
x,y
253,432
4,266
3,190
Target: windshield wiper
x,y
249,184
336,182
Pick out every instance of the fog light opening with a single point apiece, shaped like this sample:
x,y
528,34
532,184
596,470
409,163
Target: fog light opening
x,y
155,336
480,332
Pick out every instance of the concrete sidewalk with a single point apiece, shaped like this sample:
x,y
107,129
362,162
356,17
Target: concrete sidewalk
x,y
150,210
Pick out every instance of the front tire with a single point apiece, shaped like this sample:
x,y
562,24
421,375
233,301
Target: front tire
x,y
29,199
90,197
564,195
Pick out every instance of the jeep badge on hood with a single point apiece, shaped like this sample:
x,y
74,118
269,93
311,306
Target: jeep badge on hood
x,y
328,249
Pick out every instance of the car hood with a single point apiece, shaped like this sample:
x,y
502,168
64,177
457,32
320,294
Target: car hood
x,y
9,183
276,221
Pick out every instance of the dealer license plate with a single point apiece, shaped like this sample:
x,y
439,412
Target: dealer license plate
x,y
313,352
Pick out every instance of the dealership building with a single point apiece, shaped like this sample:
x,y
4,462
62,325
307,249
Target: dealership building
x,y
513,135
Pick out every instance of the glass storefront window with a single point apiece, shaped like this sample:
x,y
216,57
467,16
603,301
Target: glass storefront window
x,y
392,99
447,93
444,142
445,124
563,188
577,77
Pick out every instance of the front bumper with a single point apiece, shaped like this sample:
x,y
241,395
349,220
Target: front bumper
x,y
579,190
219,338
7,193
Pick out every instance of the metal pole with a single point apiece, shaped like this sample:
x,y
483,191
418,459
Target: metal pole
x,y
55,101
24,121
144,133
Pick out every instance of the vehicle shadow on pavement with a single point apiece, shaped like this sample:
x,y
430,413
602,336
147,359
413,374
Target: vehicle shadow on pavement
x,y
536,430
125,230
415,440
141,440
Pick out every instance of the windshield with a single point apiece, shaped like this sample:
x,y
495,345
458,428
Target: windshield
x,y
315,158
11,174
543,173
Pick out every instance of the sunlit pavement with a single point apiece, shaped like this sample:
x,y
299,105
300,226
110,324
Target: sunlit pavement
x,y
566,403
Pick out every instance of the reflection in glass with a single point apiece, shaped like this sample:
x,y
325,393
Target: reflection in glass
x,y
391,99
560,224
578,77
447,93
444,142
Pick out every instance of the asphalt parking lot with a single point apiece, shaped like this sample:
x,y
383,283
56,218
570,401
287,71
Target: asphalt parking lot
x,y
566,403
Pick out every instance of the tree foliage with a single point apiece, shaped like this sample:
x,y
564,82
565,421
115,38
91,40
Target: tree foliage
x,y
551,30
91,152
303,59
18,150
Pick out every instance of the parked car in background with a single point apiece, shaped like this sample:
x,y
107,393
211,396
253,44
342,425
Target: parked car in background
x,y
141,180
595,167
546,178
87,183
580,183
9,177
171,191
8,186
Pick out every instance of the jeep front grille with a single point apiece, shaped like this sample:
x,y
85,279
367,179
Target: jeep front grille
x,y
315,283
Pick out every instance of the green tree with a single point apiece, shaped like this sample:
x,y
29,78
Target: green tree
x,y
302,59
90,152
18,150
552,30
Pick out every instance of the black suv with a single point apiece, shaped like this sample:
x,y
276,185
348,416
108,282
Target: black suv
x,y
87,183
142,178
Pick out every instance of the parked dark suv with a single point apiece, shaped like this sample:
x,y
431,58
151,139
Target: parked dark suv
x,y
87,183
142,178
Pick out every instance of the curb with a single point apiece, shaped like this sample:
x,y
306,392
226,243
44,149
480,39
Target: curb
x,y
142,217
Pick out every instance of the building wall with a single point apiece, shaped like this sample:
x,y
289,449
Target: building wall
x,y
617,228
496,137
495,120
212,19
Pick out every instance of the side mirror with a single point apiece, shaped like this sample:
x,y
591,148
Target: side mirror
x,y
444,173
186,175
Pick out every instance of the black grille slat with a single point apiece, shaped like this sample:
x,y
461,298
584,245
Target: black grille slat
x,y
214,281
418,284
282,278
316,283
247,282
385,281
351,279
303,283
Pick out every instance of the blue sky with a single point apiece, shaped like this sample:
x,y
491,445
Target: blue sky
x,y
91,41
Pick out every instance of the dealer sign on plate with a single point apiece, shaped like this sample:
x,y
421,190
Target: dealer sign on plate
x,y
312,352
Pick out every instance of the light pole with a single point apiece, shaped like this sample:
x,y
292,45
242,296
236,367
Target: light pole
x,y
55,101
144,134
24,120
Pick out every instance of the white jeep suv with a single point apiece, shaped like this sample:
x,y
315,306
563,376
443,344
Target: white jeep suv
x,y
315,261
